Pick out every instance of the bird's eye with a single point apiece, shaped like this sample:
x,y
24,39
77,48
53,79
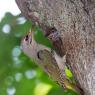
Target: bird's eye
x,y
26,38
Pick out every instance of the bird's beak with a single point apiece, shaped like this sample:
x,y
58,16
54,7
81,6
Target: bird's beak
x,y
31,36
30,33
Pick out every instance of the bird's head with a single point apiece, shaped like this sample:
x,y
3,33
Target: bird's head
x,y
29,45
28,39
31,48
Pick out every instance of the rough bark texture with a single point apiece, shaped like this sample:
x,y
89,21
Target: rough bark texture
x,y
75,20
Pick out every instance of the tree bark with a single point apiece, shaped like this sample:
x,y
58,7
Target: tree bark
x,y
75,21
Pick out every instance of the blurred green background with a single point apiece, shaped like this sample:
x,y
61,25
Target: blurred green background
x,y
18,74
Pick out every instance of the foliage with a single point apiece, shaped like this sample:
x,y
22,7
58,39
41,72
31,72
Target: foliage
x,y
18,74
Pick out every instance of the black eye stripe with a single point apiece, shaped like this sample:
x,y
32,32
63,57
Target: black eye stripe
x,y
38,55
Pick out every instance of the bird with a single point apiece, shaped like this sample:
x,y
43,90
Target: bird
x,y
46,58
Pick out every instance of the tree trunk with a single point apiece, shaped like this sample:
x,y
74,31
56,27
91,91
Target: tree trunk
x,y
75,21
